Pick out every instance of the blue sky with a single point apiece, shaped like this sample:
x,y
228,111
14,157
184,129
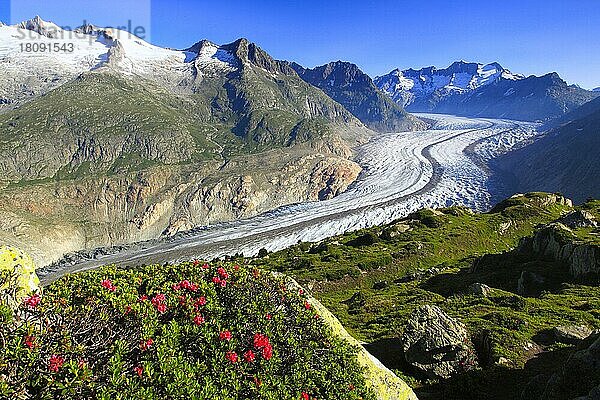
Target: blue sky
x,y
526,36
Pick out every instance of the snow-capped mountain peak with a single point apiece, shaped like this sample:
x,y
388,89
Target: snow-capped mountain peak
x,y
404,86
47,56
208,53
44,28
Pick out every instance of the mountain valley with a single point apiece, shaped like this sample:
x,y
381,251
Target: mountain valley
x,y
213,222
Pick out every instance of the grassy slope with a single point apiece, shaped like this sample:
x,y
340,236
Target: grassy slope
x,y
343,275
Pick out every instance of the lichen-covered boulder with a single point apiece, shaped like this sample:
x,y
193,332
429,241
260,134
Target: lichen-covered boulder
x,y
437,344
17,275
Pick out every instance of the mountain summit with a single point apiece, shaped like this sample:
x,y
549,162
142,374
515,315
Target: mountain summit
x,y
44,28
348,85
485,90
411,86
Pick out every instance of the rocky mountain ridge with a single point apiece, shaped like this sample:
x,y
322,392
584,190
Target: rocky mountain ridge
x,y
490,90
345,83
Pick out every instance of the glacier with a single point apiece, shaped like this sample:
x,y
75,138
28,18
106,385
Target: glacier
x,y
402,172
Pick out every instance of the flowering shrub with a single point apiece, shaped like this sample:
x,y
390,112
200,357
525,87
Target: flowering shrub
x,y
188,331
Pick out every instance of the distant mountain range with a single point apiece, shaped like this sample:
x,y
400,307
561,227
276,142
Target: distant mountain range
x,y
490,90
596,90
565,160
345,83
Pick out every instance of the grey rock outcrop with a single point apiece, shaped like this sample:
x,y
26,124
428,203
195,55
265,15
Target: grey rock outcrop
x,y
571,334
530,284
557,242
578,378
579,219
479,289
437,344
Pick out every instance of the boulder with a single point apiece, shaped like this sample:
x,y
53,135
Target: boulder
x,y
530,284
479,289
437,344
393,231
579,219
17,275
571,334
558,242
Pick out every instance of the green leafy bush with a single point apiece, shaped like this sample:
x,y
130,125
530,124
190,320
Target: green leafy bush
x,y
173,332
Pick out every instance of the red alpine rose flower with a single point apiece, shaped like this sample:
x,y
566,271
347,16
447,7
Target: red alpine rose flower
x,y
143,297
196,263
262,343
267,352
268,316
32,301
30,341
139,370
205,266
158,298
249,356
216,280
199,319
305,396
161,308
231,356
236,267
158,301
260,340
108,285
55,363
146,344
222,273
225,335
201,301
307,305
